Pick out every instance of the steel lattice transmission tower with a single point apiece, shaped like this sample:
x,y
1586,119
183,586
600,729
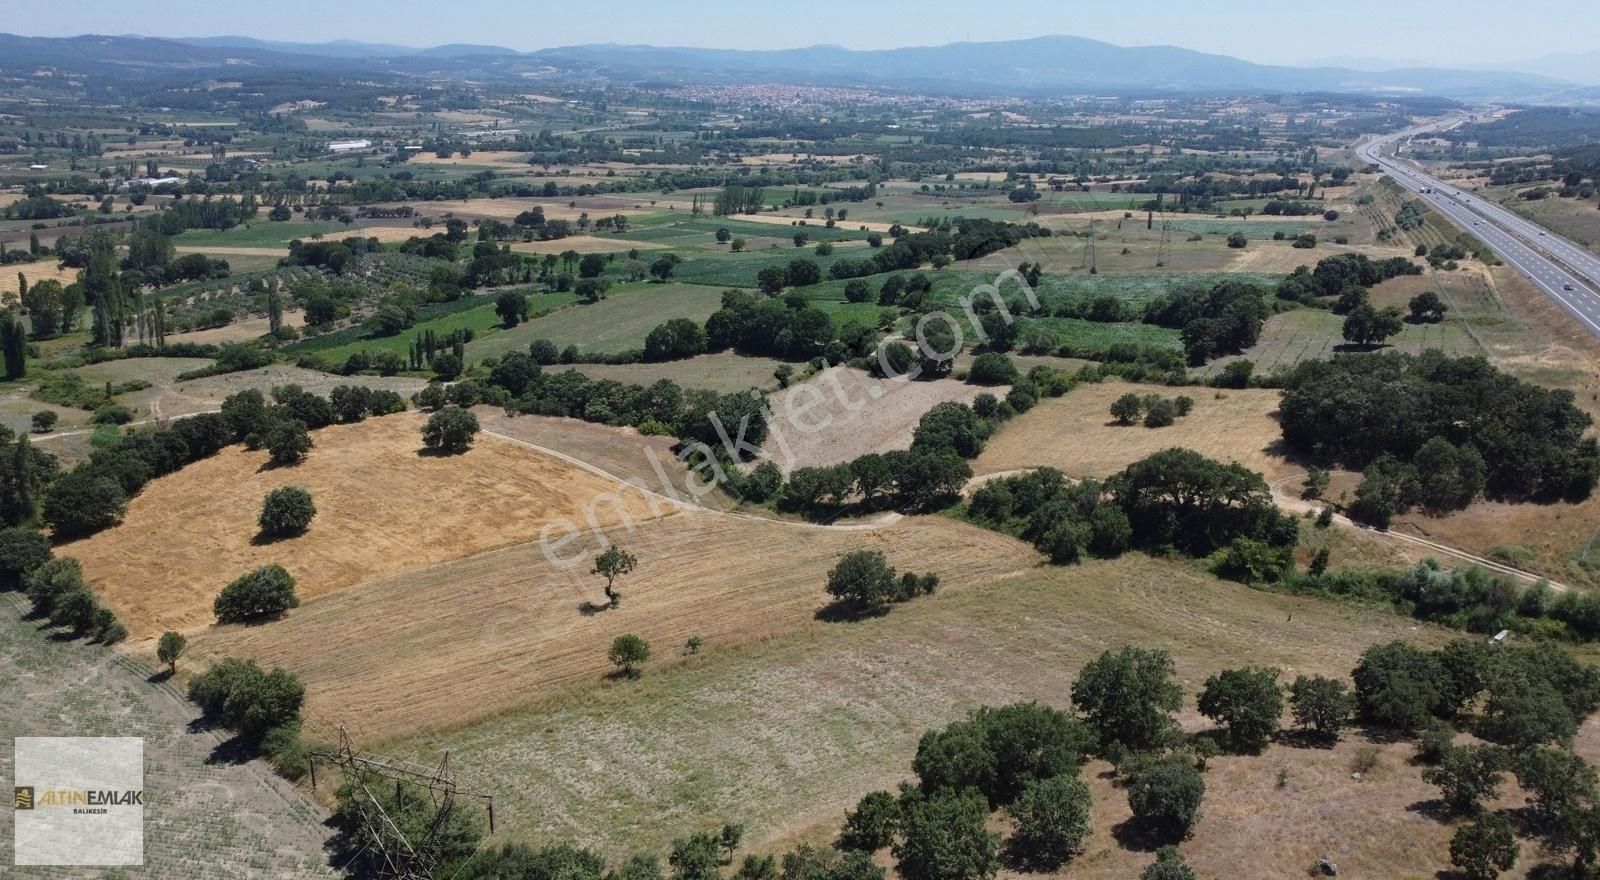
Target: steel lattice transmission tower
x,y
405,854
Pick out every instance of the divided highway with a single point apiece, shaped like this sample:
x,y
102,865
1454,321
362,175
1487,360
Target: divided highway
x,y
1568,273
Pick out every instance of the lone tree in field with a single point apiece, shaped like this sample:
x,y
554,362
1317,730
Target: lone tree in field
x,y
264,593
285,512
863,580
287,442
512,308
450,430
170,648
627,653
610,564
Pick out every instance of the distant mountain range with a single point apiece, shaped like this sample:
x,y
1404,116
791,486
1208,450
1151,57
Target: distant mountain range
x,y
1043,65
348,48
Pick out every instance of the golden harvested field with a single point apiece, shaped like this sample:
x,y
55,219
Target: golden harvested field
x,y
584,244
1076,434
382,509
507,158
843,413
785,735
451,644
35,272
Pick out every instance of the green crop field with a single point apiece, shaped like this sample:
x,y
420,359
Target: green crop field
x,y
617,323
1094,337
263,233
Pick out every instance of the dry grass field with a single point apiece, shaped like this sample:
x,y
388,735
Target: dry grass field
x,y
1075,432
785,735
382,509
842,413
486,634
35,272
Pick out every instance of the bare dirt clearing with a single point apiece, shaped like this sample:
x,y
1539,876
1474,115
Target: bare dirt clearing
x,y
842,413
1075,432
382,509
492,632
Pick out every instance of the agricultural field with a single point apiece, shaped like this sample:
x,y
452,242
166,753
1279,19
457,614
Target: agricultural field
x,y
722,371
1076,434
786,734
498,630
842,413
1301,334
360,477
214,818
462,603
619,322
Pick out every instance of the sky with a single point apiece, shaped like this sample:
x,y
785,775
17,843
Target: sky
x,y
1456,33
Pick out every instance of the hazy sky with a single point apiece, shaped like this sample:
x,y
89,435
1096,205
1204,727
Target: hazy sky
x,y
1439,32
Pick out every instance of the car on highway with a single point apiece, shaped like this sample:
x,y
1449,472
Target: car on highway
x,y
1566,287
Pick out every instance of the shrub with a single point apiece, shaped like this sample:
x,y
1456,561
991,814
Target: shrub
x,y
1168,864
992,368
264,593
1160,414
239,695
112,414
286,511
627,653
44,421
450,430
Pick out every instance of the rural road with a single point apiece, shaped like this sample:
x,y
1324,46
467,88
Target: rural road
x,y
1567,272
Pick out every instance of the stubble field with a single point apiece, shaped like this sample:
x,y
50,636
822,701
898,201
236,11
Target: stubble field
x,y
382,509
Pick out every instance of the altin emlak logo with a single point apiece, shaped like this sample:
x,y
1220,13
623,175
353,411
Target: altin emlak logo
x,y
83,801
